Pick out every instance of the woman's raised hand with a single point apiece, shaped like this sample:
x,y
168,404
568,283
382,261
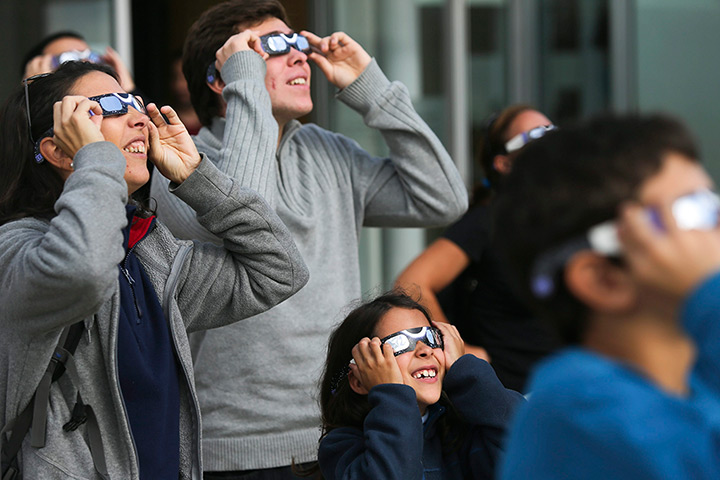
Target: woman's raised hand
x,y
171,148
73,127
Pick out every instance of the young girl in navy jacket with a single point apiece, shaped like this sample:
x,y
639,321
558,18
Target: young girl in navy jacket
x,y
401,400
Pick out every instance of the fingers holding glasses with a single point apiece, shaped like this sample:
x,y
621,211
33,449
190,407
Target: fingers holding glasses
x,y
453,344
671,259
375,363
245,40
340,58
76,123
171,148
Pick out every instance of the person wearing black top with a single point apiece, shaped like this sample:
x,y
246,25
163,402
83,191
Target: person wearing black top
x,y
461,277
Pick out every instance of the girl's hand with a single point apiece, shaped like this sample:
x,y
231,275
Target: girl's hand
x,y
340,58
171,149
73,127
454,344
374,363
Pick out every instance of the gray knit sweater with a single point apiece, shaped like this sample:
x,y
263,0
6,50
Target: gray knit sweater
x,y
257,379
56,273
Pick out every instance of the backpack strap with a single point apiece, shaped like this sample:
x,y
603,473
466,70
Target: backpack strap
x,y
35,413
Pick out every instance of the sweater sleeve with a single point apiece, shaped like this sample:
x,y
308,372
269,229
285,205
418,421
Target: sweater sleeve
x,y
57,276
251,133
259,265
418,183
487,407
389,447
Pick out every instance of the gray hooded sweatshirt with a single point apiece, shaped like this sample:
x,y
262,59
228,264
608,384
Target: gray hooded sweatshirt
x,y
58,272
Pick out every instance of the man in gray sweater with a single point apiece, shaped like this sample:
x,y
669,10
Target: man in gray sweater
x,y
249,79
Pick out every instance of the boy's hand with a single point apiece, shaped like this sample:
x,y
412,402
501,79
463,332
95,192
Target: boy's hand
x,y
340,58
375,364
171,149
672,260
245,40
454,346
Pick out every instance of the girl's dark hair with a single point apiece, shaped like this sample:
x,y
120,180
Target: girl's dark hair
x,y
340,406
28,188
491,143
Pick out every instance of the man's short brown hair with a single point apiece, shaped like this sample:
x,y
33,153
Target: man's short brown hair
x,y
208,34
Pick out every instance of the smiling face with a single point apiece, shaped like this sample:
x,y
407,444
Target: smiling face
x,y
288,77
423,368
129,131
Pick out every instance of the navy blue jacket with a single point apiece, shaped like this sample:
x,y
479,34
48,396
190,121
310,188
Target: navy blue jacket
x,y
147,366
394,443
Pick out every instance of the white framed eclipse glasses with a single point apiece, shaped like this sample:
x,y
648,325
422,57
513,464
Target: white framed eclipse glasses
x,y
280,43
699,210
86,55
118,103
522,139
406,340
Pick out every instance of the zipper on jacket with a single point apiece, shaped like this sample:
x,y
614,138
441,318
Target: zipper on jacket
x,y
131,281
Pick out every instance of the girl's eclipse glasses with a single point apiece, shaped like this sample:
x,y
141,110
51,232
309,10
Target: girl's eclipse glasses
x,y
406,340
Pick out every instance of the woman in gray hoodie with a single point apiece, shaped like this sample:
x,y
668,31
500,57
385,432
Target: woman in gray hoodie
x,y
73,147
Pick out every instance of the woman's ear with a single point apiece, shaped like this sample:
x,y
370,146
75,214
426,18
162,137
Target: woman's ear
x,y
55,156
599,283
502,164
356,384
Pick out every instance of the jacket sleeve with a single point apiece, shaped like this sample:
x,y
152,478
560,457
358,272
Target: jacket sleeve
x,y
487,407
258,266
417,184
701,317
389,447
56,276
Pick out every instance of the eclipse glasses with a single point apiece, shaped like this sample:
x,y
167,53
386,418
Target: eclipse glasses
x,y
522,139
280,43
406,340
118,103
86,55
699,210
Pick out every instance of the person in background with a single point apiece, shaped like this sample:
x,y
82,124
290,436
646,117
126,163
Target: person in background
x,y
612,231
249,78
59,47
462,279
76,256
401,400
